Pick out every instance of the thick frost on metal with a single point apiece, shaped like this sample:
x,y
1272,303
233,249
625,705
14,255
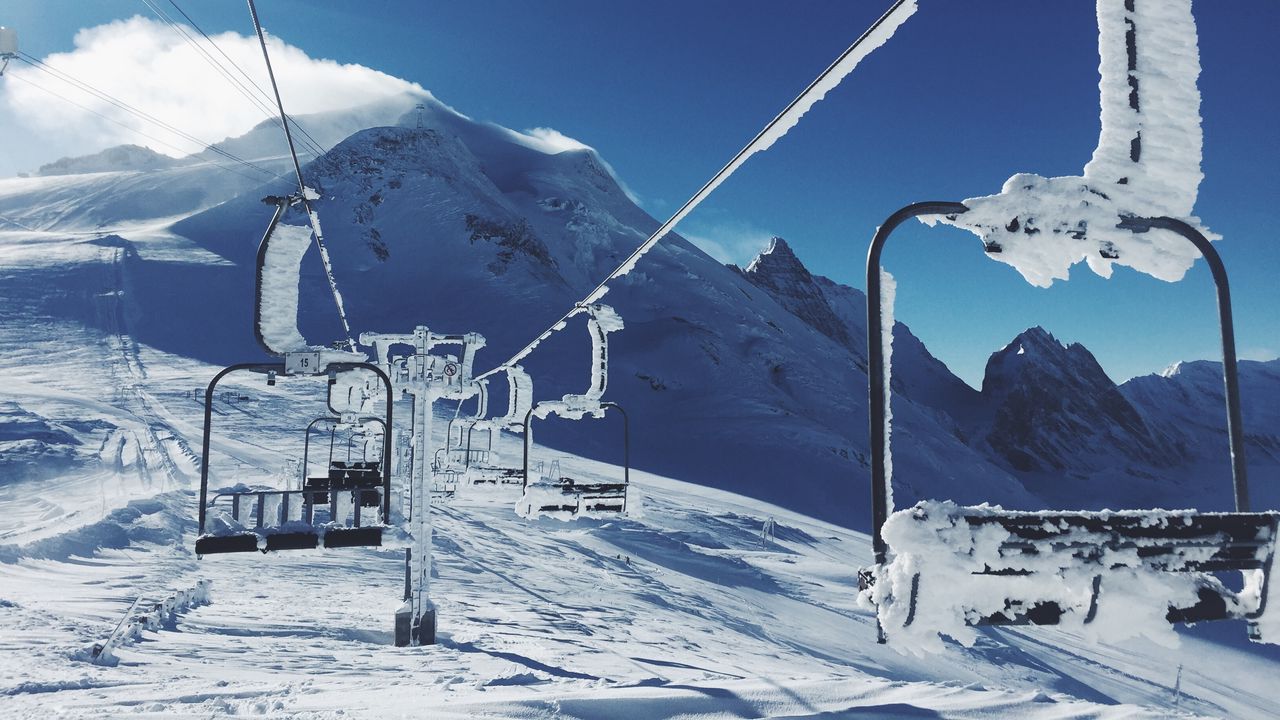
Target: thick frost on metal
x,y
1147,162
888,295
278,288
958,571
602,321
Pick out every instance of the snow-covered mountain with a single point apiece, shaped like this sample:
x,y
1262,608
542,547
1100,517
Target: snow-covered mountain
x,y
1052,402
751,380
748,380
129,184
119,158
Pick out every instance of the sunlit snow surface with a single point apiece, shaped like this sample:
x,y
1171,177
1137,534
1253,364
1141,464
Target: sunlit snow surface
x,y
681,612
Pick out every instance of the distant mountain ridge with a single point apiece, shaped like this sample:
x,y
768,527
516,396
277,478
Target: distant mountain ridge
x,y
751,380
115,159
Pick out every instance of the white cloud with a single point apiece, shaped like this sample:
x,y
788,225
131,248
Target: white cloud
x,y
1258,353
550,140
727,240
149,66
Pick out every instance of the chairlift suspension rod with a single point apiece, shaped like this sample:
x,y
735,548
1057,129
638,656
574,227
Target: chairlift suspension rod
x,y
302,187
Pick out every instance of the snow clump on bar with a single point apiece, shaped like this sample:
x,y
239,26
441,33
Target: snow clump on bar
x,y
1147,163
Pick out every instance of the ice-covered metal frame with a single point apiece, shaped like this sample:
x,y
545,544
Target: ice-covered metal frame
x,y
1239,541
626,446
278,369
880,491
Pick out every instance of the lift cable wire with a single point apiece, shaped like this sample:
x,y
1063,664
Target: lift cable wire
x,y
66,99
140,114
302,187
762,139
267,110
313,144
261,100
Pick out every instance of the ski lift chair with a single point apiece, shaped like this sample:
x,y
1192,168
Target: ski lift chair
x,y
445,476
1187,541
483,466
558,494
354,475
351,509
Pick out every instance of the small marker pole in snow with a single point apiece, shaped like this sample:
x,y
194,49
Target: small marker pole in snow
x,y
1177,688
766,533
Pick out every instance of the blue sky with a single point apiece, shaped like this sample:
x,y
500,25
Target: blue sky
x,y
965,95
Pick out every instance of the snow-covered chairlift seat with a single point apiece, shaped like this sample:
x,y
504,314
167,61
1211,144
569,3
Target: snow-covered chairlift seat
x,y
1010,548
353,510
566,496
484,466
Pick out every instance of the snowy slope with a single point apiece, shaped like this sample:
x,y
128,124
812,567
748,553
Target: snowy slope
x,y
127,184
1185,403
681,612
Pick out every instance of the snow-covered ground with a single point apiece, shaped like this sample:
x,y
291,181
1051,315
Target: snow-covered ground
x,y
678,611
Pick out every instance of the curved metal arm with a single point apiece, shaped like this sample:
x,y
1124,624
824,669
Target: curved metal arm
x,y
879,399
1230,370
470,429
261,259
306,444
277,368
878,403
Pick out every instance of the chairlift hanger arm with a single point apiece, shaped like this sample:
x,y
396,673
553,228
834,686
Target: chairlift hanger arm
x,y
303,193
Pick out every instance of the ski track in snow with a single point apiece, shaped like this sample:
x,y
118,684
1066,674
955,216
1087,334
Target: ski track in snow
x,y
678,612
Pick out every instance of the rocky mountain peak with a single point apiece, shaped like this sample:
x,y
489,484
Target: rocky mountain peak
x,y
777,258
778,271
1036,355
1054,407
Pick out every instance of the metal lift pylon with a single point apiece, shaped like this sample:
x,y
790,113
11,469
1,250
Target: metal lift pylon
x,y
424,378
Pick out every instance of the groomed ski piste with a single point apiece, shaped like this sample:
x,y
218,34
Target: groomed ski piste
x,y
677,610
